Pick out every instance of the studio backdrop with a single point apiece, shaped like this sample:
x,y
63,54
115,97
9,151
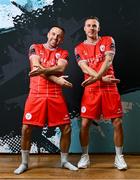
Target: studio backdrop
x,y
25,22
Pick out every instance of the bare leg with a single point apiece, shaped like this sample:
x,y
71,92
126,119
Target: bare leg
x,y
25,147
65,138
118,141
84,132
64,146
84,140
118,132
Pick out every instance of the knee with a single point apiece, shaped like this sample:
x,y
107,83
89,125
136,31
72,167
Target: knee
x,y
117,123
85,125
66,130
26,130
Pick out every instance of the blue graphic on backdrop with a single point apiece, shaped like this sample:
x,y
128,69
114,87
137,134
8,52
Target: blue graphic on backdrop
x,y
9,9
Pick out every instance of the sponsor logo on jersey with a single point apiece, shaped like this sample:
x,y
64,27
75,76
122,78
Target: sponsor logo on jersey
x,y
85,53
52,62
83,109
41,52
28,116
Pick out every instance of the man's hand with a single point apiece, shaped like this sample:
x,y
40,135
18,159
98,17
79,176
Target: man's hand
x,y
107,79
37,70
63,82
110,79
89,81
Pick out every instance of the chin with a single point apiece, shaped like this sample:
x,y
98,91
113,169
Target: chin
x,y
53,45
91,36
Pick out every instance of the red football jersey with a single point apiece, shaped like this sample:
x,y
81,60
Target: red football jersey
x,y
94,55
48,57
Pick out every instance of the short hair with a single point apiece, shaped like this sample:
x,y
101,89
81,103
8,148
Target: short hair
x,y
57,26
92,17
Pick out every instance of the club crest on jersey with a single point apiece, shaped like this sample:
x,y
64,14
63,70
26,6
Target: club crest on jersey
x,y
102,48
28,116
57,55
83,109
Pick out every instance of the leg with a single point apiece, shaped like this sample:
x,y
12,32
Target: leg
x,y
84,140
84,132
118,141
118,132
64,146
25,147
65,138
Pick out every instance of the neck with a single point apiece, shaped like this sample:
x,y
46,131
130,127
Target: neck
x,y
93,39
47,45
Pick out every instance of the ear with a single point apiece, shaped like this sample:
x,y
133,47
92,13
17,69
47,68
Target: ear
x,y
84,28
62,40
99,29
48,34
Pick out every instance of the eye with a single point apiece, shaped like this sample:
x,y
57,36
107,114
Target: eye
x,y
94,26
53,34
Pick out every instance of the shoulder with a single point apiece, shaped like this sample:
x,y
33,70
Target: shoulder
x,y
107,38
79,45
34,46
62,51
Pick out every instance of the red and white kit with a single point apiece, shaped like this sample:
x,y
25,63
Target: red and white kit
x,y
99,98
45,103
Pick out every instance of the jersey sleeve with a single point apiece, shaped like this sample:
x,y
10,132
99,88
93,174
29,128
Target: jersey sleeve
x,y
79,55
110,46
64,56
33,50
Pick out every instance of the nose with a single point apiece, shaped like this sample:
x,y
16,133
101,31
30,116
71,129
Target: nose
x,y
94,27
55,37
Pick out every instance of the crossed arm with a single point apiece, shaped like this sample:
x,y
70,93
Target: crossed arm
x,y
50,72
94,76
